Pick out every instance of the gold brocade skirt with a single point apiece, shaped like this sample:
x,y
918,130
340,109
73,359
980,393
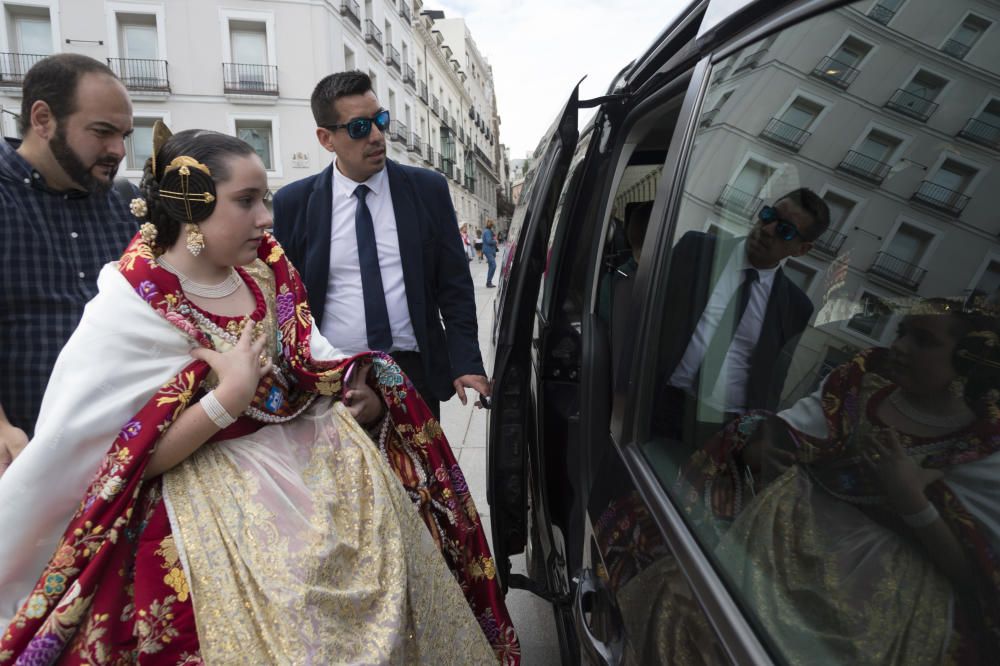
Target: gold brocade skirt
x,y
832,586
302,547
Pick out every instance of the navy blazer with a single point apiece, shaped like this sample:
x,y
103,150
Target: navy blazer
x,y
695,262
439,291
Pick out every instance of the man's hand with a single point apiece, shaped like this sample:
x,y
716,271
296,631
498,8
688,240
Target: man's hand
x,y
478,382
12,442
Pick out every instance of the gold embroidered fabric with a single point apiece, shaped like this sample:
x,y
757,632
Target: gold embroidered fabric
x,y
302,547
831,585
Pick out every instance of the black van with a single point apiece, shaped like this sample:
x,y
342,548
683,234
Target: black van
x,y
827,488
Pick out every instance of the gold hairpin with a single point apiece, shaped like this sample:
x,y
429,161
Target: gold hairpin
x,y
183,164
160,135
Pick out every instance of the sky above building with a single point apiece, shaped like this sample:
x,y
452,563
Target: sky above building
x,y
540,49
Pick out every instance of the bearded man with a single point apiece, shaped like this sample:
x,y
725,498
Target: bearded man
x,y
61,220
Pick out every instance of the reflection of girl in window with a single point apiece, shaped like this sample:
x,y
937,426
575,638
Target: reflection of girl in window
x,y
874,533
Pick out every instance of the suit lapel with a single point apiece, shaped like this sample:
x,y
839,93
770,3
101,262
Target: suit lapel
x,y
319,217
406,210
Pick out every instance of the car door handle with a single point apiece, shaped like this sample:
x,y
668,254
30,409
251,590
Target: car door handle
x,y
588,588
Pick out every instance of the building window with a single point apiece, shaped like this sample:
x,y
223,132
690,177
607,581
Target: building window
x,y
899,262
793,126
742,197
348,59
29,31
250,69
259,135
984,128
988,285
872,317
841,67
946,188
832,240
883,10
916,98
139,65
139,144
965,36
708,117
871,158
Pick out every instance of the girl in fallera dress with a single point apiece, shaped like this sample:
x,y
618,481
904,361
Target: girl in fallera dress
x,y
211,481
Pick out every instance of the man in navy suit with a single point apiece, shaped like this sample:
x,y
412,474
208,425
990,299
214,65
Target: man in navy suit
x,y
379,250
732,336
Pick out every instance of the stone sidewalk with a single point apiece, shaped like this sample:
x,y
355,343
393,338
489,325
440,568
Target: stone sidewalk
x,y
465,428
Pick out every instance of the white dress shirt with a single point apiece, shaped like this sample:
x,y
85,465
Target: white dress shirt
x,y
729,392
344,322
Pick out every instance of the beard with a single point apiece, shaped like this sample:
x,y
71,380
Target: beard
x,y
74,167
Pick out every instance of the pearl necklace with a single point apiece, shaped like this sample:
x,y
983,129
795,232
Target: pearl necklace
x,y
225,288
904,407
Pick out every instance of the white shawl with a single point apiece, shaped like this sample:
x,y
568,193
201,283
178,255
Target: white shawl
x,y
121,353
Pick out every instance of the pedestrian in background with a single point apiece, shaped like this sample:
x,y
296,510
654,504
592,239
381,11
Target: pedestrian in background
x,y
490,252
467,242
61,222
479,244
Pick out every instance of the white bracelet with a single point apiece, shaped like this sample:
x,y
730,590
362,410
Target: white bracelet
x,y
215,411
922,518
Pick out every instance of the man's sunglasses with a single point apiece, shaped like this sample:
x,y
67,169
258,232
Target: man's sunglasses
x,y
783,228
359,128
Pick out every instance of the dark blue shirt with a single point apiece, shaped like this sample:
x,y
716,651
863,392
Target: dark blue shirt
x,y
52,246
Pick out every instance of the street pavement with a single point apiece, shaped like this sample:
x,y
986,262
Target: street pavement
x,y
465,428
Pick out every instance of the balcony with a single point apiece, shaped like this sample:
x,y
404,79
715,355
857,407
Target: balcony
x,y
864,167
404,11
881,14
750,61
835,73
737,201
940,197
392,57
708,117
982,133
415,145
829,243
398,131
911,105
373,35
352,11
435,107
141,75
896,270
783,134
955,49
483,158
430,156
409,76
240,79
422,91
13,67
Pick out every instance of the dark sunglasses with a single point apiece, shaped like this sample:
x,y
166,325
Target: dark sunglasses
x,y
783,228
359,128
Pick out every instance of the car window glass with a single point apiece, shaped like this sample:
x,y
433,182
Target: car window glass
x,y
825,401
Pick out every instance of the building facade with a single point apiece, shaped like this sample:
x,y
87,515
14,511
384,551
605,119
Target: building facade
x,y
248,68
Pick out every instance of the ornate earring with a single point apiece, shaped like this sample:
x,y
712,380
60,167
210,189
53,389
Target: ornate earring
x,y
195,240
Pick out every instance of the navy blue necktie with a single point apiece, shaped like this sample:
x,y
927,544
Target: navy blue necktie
x,y
722,339
376,313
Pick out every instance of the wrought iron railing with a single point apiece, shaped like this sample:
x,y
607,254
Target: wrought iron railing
x,y
864,166
141,74
242,79
13,66
982,133
830,242
430,155
392,57
404,11
881,14
409,76
835,72
955,48
416,144
372,34
785,134
483,158
435,107
422,91
398,131
737,201
940,197
911,105
352,11
896,270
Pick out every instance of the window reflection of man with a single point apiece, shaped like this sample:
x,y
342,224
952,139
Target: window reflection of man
x,y
731,337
